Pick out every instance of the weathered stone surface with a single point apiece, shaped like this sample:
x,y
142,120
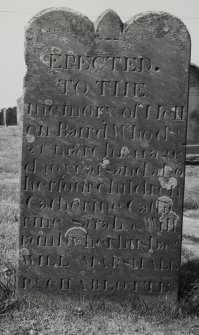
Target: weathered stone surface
x,y
103,154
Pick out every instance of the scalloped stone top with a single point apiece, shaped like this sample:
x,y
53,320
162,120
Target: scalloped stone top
x,y
109,26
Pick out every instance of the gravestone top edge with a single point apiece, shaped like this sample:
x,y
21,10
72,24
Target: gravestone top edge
x,y
150,18
52,10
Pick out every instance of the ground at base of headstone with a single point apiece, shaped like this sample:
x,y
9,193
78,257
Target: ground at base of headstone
x,y
37,314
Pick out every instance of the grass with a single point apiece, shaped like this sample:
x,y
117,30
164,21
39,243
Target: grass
x,y
10,149
191,198
37,314
189,276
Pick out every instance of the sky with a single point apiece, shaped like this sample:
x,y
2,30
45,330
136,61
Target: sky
x,y
15,14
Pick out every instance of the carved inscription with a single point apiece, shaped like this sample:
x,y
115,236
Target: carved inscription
x,y
69,284
103,155
115,262
154,112
103,63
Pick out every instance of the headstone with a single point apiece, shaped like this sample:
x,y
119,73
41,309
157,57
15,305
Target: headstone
x,y
1,117
4,117
8,116
192,152
20,110
103,155
11,116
